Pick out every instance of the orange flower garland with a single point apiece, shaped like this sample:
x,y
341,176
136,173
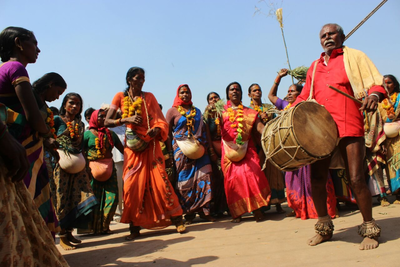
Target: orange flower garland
x,y
73,132
50,122
130,108
218,124
101,152
386,104
189,119
236,120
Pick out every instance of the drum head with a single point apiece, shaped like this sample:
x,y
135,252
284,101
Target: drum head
x,y
314,129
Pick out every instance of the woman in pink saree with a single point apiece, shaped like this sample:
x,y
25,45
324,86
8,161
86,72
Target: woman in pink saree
x,y
246,187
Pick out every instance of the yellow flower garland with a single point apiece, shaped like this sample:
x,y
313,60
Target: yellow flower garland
x,y
288,106
189,119
101,152
236,120
256,107
130,108
386,104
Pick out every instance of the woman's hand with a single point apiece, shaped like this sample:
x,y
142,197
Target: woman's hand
x,y
283,72
135,119
153,132
264,117
52,145
14,155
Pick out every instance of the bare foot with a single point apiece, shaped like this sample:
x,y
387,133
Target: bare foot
x,y
72,239
180,228
396,202
279,208
258,215
236,220
65,244
132,236
291,214
317,239
369,243
384,202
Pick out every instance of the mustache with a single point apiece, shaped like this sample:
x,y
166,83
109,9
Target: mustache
x,y
329,40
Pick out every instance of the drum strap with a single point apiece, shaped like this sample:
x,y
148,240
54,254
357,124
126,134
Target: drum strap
x,y
311,96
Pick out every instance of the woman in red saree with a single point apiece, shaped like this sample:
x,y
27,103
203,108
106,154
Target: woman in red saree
x,y
149,198
246,187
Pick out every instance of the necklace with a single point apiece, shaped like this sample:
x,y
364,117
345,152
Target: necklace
x,y
288,106
50,122
189,119
256,107
388,106
73,131
236,119
101,151
132,107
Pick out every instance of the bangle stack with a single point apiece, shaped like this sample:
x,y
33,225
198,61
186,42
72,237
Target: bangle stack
x,y
118,122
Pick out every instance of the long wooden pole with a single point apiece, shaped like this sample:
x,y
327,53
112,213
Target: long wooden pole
x,y
365,19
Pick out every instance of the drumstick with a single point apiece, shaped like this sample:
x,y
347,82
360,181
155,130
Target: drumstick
x,y
354,99
347,95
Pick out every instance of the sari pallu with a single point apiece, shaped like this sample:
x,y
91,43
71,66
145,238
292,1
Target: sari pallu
x,y
393,148
149,198
194,175
299,197
37,178
25,239
218,203
73,196
106,192
246,186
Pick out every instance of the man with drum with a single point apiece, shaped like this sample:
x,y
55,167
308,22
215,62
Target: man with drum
x,y
352,72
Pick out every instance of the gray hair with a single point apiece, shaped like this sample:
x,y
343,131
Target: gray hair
x,y
338,28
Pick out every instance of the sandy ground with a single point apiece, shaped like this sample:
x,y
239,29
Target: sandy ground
x,y
277,241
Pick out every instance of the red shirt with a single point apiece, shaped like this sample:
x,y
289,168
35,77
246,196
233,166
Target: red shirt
x,y
345,112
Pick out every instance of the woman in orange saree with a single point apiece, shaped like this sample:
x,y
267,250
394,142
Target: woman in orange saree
x,y
246,187
149,198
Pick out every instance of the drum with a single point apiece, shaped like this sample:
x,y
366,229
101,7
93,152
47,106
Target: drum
x,y
299,136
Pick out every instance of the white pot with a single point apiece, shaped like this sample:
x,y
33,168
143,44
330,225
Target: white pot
x,y
71,163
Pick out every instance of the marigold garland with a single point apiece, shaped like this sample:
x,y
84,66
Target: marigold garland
x,y
101,152
73,132
218,124
130,108
50,122
236,118
256,107
259,110
288,106
386,104
189,119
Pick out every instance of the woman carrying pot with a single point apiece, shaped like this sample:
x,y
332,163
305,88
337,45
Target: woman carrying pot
x,y
98,144
73,197
149,198
193,166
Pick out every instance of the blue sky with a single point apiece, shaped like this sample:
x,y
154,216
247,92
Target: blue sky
x,y
204,43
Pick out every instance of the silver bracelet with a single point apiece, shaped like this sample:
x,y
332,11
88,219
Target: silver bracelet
x,y
377,96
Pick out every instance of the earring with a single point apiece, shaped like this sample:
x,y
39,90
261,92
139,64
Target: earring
x,y
20,48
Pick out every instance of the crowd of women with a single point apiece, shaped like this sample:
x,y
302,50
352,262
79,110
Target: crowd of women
x,y
183,164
